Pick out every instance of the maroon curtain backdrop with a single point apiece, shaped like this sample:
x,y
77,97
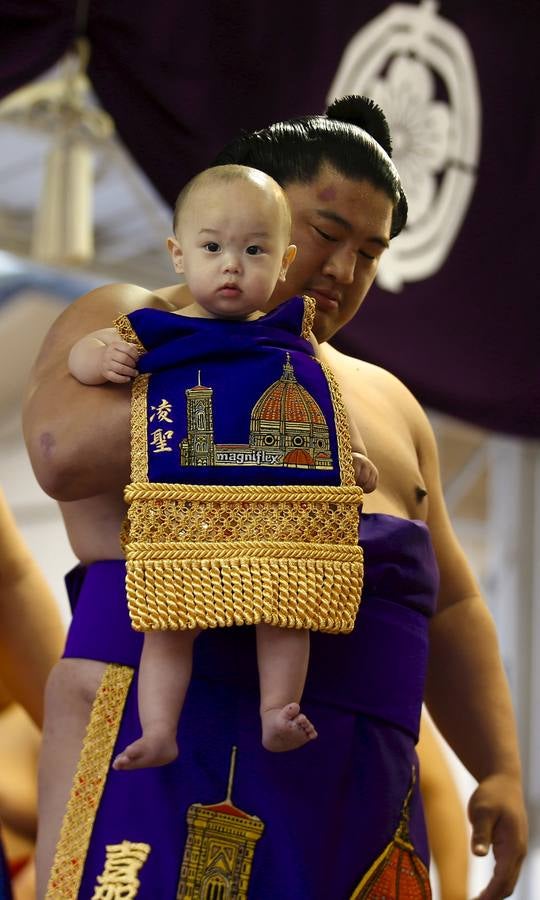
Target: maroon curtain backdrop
x,y
181,79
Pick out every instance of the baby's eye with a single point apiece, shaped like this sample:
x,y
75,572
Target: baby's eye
x,y
212,247
254,250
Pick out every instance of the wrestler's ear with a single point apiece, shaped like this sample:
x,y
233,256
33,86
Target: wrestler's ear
x,y
175,252
288,258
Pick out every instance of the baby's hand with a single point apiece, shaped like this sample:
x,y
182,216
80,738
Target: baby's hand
x,y
365,472
119,361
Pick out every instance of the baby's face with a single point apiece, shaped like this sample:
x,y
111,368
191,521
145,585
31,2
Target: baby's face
x,y
234,246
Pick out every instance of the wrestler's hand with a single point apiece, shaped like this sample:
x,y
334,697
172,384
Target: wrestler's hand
x,y
119,361
498,817
365,472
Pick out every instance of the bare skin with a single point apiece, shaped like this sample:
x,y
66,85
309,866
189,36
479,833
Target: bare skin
x,y
31,629
445,815
467,690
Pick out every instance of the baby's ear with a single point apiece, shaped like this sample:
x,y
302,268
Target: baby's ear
x,y
288,258
175,252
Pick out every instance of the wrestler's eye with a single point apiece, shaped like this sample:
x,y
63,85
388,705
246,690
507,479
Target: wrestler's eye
x,y
325,235
212,247
254,250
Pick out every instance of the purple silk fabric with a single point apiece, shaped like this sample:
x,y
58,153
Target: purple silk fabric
x,y
329,808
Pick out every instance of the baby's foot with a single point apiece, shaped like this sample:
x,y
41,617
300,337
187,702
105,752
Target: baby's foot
x,y
152,749
286,729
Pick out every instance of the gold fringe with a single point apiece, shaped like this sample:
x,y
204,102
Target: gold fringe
x,y
203,556
210,592
88,783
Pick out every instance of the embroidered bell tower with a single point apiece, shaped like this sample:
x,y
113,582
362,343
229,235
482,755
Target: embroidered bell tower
x,y
219,849
198,448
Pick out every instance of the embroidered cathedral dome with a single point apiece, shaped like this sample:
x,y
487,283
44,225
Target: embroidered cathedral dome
x,y
287,401
287,420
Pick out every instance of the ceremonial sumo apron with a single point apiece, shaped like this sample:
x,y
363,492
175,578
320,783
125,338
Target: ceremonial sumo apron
x,y
243,506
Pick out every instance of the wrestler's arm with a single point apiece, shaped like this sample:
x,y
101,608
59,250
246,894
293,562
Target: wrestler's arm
x,y
31,629
77,437
467,692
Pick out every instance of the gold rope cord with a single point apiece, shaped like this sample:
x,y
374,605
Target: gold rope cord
x,y
342,428
88,783
310,308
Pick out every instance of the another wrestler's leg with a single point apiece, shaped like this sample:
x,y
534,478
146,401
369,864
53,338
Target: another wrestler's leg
x,y
283,656
69,696
164,676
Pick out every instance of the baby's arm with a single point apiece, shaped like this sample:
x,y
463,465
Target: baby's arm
x,y
103,356
365,471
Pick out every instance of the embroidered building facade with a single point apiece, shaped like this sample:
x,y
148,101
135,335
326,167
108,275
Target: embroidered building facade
x,y
287,428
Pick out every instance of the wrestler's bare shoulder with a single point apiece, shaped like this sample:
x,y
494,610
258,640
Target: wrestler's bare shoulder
x,y
359,375
92,311
105,303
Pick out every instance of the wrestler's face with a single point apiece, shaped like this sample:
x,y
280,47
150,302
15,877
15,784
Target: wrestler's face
x,y
341,228
232,245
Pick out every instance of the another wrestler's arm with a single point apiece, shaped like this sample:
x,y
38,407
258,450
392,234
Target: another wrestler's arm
x,y
31,630
445,816
467,691
77,437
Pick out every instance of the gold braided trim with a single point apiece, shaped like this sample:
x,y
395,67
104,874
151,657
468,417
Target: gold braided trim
x,y
224,550
139,432
342,428
254,586
244,493
310,308
88,783
127,333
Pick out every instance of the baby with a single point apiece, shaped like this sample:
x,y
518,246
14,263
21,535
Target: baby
x,y
232,243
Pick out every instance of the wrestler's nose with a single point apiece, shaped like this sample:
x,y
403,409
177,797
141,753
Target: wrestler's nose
x,y
341,265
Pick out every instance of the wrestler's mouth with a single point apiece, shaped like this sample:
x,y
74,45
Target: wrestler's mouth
x,y
327,301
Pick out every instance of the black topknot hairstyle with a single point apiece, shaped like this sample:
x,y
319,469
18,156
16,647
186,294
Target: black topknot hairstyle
x,y
363,112
353,137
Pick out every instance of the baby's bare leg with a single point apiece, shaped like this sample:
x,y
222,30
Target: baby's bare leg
x,y
164,676
283,656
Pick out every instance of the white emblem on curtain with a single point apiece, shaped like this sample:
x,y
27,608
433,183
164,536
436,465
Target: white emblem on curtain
x,y
419,68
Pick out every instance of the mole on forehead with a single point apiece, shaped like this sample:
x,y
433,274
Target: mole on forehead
x,y
328,193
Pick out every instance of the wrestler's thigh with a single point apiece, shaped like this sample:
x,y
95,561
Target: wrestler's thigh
x,y
71,687
69,695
